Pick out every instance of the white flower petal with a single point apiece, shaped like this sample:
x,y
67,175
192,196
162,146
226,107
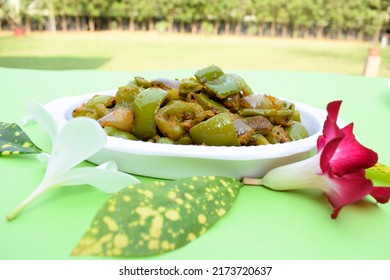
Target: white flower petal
x,y
43,117
26,120
305,174
108,165
107,180
79,139
43,158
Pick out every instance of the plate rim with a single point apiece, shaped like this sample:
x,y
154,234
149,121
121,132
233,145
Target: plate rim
x,y
60,108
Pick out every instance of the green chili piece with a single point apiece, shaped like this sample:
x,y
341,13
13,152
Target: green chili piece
x,y
296,131
216,131
176,118
265,112
112,131
146,105
209,104
223,87
209,73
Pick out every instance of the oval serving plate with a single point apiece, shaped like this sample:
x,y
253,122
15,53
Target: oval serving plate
x,y
177,161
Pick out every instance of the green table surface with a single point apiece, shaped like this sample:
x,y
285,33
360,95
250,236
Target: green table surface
x,y
262,224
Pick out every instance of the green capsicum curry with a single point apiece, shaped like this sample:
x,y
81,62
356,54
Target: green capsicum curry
x,y
211,108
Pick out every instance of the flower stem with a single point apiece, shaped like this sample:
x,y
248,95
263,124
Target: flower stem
x,y
14,213
252,181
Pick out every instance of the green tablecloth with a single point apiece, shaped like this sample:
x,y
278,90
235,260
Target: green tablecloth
x,y
262,224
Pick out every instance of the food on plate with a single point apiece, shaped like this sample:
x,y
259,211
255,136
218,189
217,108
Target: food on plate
x,y
211,108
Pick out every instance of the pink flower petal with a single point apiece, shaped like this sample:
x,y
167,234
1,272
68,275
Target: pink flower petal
x,y
347,190
351,156
330,130
341,152
327,154
338,169
381,194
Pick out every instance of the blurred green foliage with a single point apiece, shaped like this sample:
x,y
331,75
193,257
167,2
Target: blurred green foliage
x,y
353,19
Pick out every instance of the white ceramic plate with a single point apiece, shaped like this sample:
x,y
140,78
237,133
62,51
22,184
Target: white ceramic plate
x,y
178,161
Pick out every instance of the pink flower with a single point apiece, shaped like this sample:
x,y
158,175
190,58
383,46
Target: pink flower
x,y
338,169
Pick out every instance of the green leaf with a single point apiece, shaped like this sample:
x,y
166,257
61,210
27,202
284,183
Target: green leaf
x,y
379,171
157,217
13,140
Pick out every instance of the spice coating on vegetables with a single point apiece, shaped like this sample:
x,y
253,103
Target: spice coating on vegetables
x,y
212,108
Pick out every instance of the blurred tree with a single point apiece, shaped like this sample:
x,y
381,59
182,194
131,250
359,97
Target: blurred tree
x,y
118,11
147,11
320,14
336,18
171,10
238,10
12,10
303,16
2,13
191,12
353,19
381,9
275,8
94,10
262,11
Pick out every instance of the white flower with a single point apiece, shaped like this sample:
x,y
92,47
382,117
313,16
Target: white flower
x,y
79,139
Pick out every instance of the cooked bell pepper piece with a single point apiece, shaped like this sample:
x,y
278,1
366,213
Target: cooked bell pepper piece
x,y
96,107
164,140
142,82
277,135
176,118
265,112
258,139
296,116
209,73
125,96
189,86
185,140
209,104
112,131
146,105
223,87
107,100
173,95
245,90
296,131
216,131
281,120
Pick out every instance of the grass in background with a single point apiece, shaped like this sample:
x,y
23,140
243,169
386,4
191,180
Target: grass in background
x,y
149,51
